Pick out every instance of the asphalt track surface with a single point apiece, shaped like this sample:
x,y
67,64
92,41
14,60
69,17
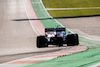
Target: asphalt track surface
x,y
17,38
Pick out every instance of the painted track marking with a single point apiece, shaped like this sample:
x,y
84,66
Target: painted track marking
x,y
72,8
48,56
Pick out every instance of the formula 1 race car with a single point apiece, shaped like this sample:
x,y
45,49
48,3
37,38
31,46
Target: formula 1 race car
x,y
57,36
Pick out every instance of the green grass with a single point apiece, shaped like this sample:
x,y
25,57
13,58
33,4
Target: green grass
x,y
71,3
72,13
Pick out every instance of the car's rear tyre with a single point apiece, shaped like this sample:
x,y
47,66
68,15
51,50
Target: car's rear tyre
x,y
41,42
72,39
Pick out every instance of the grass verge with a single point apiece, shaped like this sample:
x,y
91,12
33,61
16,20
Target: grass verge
x,y
70,3
72,13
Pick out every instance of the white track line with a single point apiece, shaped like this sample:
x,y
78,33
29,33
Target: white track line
x,y
34,56
72,8
96,65
30,20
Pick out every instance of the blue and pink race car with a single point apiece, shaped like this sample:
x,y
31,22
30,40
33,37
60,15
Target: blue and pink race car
x,y
57,36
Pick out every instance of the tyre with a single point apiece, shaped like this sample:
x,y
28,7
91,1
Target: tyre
x,y
41,42
72,39
76,42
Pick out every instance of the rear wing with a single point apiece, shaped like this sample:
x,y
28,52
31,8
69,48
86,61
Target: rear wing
x,y
54,29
